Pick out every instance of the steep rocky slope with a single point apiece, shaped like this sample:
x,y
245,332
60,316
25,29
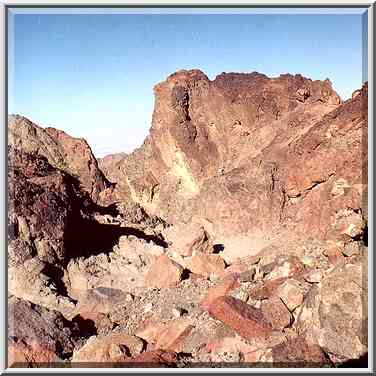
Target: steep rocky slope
x,y
107,163
235,236
64,152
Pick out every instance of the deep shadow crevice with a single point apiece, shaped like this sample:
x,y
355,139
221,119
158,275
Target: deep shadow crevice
x,y
86,237
362,362
217,248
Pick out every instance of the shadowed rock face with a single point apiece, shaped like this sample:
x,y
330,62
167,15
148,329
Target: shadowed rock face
x,y
273,152
42,202
62,151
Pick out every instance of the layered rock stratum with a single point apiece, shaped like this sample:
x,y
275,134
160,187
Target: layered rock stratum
x,y
235,235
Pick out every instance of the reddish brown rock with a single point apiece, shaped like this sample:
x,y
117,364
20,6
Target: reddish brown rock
x,y
276,313
43,202
334,315
264,290
199,148
207,331
163,273
156,358
170,336
332,151
109,163
100,300
221,288
247,321
298,353
21,354
188,240
72,155
30,282
79,158
50,221
257,161
291,293
206,265
244,139
244,265
116,347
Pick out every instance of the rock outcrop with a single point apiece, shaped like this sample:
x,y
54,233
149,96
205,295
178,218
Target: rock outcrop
x,y
108,164
277,154
42,202
66,153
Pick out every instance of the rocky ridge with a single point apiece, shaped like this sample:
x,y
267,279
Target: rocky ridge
x,y
66,153
235,236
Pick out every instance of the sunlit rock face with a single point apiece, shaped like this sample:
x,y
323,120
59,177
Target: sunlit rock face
x,y
249,154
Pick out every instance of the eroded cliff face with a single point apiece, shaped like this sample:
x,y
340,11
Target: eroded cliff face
x,y
249,153
62,151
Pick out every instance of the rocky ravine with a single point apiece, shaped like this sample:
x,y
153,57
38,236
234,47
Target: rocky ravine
x,y
235,236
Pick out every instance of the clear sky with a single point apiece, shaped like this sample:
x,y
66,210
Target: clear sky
x,y
92,75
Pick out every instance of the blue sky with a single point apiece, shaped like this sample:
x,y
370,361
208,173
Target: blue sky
x,y
92,75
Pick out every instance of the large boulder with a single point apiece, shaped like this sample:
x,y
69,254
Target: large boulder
x,y
112,348
247,321
334,313
124,268
38,335
164,272
29,281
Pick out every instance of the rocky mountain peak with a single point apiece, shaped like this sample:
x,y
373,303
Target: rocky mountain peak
x,y
202,130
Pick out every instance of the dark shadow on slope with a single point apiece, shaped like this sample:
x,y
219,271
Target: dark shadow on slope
x,y
365,236
362,362
140,234
56,275
185,275
217,248
85,327
110,209
86,237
